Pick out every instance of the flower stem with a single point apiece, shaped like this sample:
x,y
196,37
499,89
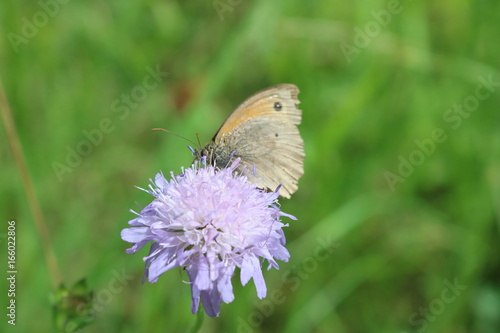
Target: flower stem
x,y
200,316
17,152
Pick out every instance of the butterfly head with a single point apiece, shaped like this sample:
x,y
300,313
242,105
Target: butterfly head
x,y
220,156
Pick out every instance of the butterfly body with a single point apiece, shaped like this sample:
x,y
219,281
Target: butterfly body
x,y
263,132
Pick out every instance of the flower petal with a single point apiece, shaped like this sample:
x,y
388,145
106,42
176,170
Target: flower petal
x,y
210,221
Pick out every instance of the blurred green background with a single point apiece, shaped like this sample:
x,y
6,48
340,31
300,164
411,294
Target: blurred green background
x,y
401,126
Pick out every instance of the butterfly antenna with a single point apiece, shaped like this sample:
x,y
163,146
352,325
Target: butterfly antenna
x,y
180,136
198,138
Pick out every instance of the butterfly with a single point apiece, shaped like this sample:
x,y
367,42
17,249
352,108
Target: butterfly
x,y
262,131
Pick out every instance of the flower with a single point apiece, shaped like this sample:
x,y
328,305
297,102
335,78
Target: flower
x,y
210,221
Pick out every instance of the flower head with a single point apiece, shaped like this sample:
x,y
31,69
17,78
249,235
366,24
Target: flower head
x,y
210,221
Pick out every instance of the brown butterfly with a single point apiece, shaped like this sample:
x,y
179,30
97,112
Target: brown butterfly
x,y
263,132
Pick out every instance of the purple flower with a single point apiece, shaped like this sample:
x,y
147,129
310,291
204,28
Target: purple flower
x,y
210,222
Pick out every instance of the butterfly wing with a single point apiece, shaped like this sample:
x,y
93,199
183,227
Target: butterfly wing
x,y
263,130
